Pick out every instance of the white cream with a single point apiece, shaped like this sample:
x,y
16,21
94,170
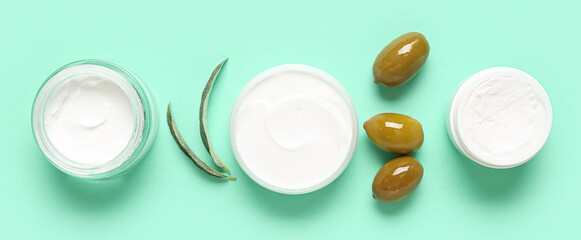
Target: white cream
x,y
293,131
89,119
500,117
504,118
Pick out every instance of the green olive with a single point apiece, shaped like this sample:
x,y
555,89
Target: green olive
x,y
401,59
395,133
397,179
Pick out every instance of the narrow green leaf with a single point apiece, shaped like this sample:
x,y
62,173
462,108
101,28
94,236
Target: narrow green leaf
x,y
187,150
204,116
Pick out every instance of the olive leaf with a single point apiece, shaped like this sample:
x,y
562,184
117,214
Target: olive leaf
x,y
204,116
187,150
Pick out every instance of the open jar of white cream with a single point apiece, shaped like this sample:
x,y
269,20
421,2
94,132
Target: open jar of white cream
x,y
293,129
500,117
94,119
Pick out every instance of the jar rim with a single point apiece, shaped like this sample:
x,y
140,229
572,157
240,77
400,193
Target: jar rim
x,y
126,81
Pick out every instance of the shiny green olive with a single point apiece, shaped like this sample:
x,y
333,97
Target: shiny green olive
x,y
395,133
401,59
397,179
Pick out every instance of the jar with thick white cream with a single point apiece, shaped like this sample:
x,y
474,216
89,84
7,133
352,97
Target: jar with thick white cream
x,y
293,129
94,119
500,117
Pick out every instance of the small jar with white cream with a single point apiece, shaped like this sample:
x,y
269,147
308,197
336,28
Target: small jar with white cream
x,y
500,117
94,119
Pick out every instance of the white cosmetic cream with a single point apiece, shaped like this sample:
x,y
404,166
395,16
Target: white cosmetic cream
x,y
500,117
293,129
89,119
94,119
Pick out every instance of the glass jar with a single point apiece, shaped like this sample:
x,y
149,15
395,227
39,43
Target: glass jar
x,y
142,103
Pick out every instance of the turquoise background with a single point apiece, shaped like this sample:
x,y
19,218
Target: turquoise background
x,y
174,45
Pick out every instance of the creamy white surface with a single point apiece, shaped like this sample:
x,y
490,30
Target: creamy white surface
x,y
505,119
293,130
89,119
